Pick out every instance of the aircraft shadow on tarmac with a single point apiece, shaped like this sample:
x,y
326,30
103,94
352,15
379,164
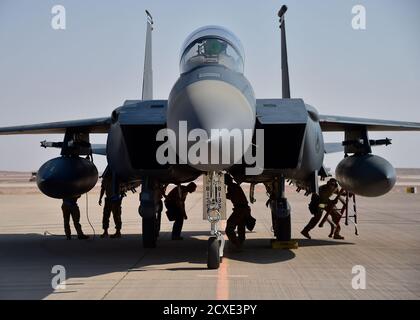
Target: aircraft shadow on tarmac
x,y
26,260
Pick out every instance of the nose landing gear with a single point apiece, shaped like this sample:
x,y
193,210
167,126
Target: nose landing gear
x,y
215,244
213,192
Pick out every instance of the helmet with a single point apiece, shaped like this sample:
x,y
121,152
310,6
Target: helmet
x,y
191,187
333,182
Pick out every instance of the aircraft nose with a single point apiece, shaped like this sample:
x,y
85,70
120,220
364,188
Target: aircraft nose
x,y
215,117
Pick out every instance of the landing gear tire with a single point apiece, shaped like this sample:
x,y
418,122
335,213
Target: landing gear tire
x,y
220,253
282,228
149,232
213,253
158,223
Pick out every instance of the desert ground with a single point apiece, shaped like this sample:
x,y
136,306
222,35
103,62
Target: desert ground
x,y
32,242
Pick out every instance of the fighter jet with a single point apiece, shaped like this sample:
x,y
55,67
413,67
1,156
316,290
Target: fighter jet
x,y
212,124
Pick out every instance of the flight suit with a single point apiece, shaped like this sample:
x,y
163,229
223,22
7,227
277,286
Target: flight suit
x,y
335,216
112,204
241,215
71,209
175,209
317,205
335,227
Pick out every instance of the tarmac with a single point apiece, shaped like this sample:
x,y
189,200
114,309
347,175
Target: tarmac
x,y
32,242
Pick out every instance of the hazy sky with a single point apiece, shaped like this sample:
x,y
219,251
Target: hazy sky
x,y
95,64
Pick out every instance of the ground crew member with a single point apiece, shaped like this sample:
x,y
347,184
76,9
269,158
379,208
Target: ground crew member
x,y
333,216
71,209
175,207
241,216
160,196
113,202
318,204
335,225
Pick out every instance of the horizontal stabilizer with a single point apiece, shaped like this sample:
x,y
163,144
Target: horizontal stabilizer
x,y
99,149
333,147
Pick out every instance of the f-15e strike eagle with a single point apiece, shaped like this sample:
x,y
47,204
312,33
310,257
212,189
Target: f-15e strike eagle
x,y
212,124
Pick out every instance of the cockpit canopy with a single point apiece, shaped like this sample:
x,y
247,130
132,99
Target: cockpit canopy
x,y
212,45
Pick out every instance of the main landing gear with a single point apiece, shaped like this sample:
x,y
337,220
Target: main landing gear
x,y
280,210
150,210
216,242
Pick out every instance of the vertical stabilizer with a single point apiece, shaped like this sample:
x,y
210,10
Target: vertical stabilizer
x,y
284,65
147,91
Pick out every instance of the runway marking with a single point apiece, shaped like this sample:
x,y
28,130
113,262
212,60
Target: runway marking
x,y
222,286
217,275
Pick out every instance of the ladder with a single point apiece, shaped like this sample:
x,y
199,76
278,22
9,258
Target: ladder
x,y
343,211
353,216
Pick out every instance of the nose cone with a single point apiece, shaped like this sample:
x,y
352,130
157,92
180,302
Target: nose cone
x,y
216,118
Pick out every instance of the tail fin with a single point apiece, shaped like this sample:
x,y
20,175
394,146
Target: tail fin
x,y
147,91
284,65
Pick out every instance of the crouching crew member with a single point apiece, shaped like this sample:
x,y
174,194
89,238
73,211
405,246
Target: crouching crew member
x,y
319,203
175,207
241,216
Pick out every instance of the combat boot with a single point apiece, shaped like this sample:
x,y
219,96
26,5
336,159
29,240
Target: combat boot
x,y
117,234
235,245
82,236
105,234
233,240
305,233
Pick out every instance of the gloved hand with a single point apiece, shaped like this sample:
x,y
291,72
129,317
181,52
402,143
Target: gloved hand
x,y
250,223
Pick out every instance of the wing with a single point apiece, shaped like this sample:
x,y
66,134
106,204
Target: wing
x,y
96,125
338,123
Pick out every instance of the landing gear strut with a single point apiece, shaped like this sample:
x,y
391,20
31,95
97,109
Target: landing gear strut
x,y
149,210
216,242
280,210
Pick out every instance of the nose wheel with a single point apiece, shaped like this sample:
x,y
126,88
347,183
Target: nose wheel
x,y
215,247
213,253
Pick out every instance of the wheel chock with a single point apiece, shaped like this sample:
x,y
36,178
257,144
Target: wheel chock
x,y
291,244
